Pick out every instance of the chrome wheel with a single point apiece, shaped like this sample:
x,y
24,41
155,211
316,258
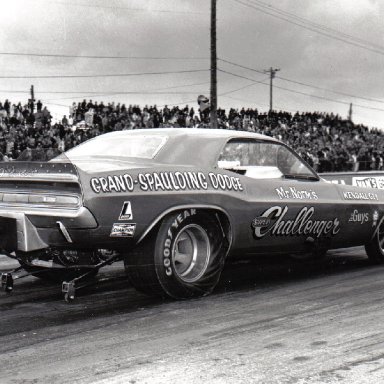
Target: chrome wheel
x,y
191,252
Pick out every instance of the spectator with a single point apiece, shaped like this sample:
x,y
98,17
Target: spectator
x,y
325,141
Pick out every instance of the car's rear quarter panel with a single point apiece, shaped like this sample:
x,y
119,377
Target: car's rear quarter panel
x,y
148,207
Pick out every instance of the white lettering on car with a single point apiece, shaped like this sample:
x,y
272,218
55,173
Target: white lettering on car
x,y
301,224
123,230
357,217
352,195
294,193
115,183
168,241
369,182
166,181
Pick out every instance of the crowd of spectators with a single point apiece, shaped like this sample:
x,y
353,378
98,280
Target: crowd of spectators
x,y
326,141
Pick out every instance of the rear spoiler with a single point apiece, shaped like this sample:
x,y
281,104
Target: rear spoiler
x,y
38,171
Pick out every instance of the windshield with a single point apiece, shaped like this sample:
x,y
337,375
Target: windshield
x,y
122,146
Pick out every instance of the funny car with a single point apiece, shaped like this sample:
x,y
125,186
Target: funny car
x,y
175,204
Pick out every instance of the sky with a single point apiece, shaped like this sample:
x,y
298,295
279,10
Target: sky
x,y
329,53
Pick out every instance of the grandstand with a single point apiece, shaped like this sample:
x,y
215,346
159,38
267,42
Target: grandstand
x,y
326,141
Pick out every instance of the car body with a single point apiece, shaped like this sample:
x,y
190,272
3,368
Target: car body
x,y
174,204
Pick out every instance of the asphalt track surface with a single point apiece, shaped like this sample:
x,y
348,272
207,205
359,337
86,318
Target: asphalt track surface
x,y
279,321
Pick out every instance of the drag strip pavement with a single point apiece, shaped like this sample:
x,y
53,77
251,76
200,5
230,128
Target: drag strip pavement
x,y
267,322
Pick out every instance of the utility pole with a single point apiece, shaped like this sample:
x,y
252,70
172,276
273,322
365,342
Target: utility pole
x,y
32,99
350,112
272,73
213,115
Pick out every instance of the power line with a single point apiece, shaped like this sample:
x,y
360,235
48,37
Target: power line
x,y
125,93
245,86
314,24
305,94
263,105
12,91
313,29
242,66
330,90
96,92
99,75
305,84
31,54
126,8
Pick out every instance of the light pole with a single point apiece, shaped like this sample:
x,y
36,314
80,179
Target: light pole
x,y
272,73
213,114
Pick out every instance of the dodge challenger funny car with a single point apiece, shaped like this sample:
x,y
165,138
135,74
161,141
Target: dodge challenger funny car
x,y
174,204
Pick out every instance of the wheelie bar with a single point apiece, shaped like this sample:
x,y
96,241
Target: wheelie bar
x,y
8,278
69,288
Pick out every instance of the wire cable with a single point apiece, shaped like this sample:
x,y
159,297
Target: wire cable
x,y
96,92
125,8
305,94
313,29
103,75
245,86
306,85
31,54
314,24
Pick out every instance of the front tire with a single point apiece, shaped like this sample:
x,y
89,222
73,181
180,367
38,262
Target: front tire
x,y
183,260
375,248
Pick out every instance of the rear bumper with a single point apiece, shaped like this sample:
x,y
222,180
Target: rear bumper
x,y
19,232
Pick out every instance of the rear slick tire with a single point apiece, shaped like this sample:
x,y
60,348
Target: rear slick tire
x,y
183,260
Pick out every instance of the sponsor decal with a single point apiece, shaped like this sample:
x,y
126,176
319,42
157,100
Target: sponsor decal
x,y
168,241
369,182
375,217
166,181
357,217
126,212
301,224
123,230
260,222
296,194
360,195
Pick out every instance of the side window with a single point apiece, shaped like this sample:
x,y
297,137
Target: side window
x,y
263,160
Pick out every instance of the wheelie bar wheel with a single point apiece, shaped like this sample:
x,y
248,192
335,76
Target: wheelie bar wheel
x,y
69,291
7,282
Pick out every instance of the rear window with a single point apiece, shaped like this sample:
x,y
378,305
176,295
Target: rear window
x,y
137,146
